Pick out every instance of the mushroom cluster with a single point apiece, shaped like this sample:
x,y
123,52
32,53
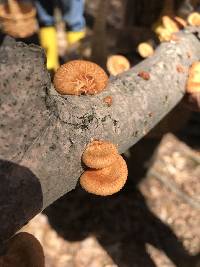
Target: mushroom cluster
x,y
107,172
78,77
192,98
23,250
167,27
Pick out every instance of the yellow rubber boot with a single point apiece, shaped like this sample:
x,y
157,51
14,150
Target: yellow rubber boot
x,y
48,40
74,37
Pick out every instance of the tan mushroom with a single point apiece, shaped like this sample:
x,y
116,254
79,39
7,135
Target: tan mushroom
x,y
108,100
23,250
80,77
193,83
117,64
99,154
170,24
166,29
194,19
181,22
106,181
145,50
163,34
192,97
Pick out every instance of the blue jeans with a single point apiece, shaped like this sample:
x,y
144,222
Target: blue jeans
x,y
72,11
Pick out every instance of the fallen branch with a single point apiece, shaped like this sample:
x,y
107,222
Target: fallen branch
x,y
43,134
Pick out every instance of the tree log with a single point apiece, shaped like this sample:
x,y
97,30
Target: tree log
x,y
43,134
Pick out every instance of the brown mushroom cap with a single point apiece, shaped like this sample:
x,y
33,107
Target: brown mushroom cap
x,y
99,154
194,19
193,83
145,50
23,250
168,27
106,181
117,64
80,77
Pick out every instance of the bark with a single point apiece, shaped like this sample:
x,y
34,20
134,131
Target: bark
x,y
43,134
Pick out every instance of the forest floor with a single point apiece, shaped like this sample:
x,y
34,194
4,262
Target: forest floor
x,y
153,222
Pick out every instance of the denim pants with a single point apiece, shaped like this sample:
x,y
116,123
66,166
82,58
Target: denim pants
x,y
72,11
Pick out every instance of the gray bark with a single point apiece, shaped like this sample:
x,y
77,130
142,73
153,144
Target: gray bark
x,y
43,134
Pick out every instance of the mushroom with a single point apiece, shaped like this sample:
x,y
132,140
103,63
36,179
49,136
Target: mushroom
x,y
106,181
108,100
169,24
166,29
181,22
192,97
145,50
163,34
144,75
194,19
99,154
117,64
80,77
193,83
23,250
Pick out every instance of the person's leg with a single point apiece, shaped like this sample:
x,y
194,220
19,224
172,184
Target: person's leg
x,y
47,33
73,15
45,12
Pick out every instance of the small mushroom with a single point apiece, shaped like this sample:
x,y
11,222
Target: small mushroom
x,y
99,154
106,181
170,24
23,250
117,64
166,29
192,97
180,68
144,75
193,83
163,34
194,19
108,100
145,50
80,77
181,22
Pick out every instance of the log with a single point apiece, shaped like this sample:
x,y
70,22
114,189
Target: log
x,y
43,134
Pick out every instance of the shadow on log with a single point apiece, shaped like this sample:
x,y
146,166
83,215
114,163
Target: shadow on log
x,y
20,201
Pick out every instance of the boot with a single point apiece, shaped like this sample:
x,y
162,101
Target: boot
x,y
48,40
